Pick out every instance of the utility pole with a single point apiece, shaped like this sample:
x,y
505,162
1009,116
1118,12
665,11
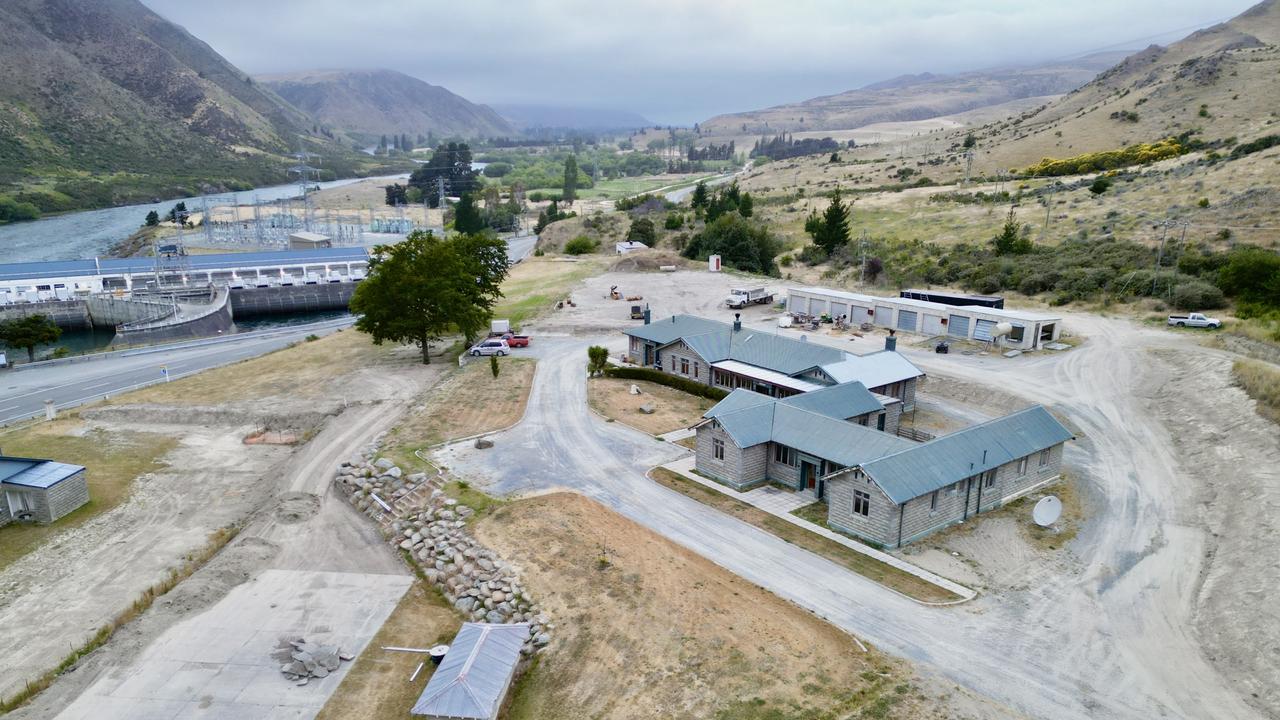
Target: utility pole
x,y
862,245
1048,205
1160,253
968,165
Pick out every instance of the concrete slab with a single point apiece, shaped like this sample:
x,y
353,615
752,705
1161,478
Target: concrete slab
x,y
219,666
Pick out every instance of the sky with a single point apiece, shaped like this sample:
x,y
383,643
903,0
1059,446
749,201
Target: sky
x,y
674,61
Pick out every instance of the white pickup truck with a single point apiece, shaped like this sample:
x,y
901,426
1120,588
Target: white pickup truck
x,y
742,297
1194,320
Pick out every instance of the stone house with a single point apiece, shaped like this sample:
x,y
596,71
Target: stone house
x,y
890,491
731,357
40,490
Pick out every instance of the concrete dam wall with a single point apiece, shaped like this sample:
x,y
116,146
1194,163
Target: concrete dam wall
x,y
281,299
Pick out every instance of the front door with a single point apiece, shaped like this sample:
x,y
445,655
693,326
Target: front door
x,y
808,476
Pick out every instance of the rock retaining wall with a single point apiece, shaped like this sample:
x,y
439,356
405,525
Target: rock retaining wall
x,y
431,529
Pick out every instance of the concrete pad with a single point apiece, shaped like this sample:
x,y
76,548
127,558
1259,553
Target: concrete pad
x,y
218,665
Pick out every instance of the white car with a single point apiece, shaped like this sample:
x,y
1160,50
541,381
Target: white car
x,y
492,346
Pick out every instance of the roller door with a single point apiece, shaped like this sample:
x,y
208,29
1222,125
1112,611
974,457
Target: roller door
x,y
907,320
798,304
982,329
838,309
884,315
958,326
932,325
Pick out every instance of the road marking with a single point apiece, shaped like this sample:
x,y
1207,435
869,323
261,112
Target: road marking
x,y
11,407
104,384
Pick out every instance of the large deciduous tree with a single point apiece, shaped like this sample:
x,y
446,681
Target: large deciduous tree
x,y
426,286
28,332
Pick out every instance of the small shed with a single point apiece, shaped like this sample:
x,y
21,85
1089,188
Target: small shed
x,y
40,490
629,246
473,680
305,240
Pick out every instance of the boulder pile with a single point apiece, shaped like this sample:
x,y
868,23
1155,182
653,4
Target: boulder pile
x,y
431,529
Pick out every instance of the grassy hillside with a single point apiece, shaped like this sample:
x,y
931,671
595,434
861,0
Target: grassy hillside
x,y
105,102
370,103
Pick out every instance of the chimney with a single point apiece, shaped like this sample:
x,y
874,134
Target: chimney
x,y
646,314
891,342
737,322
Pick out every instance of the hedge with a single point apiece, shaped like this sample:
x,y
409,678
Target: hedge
x,y
673,381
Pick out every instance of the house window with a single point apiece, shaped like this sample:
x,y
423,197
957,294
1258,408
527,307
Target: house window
x,y
933,501
673,363
1022,467
880,421
861,503
684,366
862,421
989,480
783,454
1044,457
717,448
695,369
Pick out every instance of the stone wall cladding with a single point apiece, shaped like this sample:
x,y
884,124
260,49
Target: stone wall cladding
x,y
741,468
781,473
431,530
880,524
699,371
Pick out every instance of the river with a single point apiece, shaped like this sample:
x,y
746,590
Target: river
x,y
89,233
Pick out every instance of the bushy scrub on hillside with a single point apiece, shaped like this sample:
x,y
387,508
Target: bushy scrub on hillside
x,y
1139,154
581,245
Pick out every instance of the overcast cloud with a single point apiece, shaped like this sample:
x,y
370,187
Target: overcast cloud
x,y
674,61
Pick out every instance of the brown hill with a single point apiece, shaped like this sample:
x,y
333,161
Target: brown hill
x,y
108,90
1220,82
915,97
369,103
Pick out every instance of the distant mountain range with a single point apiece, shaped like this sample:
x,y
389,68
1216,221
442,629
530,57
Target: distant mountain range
x,y
368,103
916,97
530,117
105,102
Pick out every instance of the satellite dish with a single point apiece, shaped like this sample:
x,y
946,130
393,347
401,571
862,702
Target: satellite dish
x,y
1047,511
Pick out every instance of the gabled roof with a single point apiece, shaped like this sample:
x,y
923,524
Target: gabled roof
x,y
676,327
29,472
873,369
715,341
475,674
923,468
838,401
751,418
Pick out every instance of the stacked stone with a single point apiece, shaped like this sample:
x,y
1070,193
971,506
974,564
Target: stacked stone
x,y
311,660
434,536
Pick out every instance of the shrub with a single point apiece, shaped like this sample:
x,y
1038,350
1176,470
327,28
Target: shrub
x,y
674,221
673,381
1204,202
1197,295
581,245
1099,186
642,231
1139,154
497,169
813,254
741,243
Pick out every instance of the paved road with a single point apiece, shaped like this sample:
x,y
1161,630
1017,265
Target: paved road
x,y
23,392
1115,641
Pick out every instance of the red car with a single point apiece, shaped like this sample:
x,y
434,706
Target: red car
x,y
516,340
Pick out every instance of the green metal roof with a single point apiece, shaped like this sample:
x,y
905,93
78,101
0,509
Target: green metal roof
x,y
921,469
715,341
676,327
838,401
751,418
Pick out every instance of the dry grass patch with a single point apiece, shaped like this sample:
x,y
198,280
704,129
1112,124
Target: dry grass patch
x,y
470,401
1262,382
672,409
305,370
113,458
537,284
377,686
868,567
648,629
